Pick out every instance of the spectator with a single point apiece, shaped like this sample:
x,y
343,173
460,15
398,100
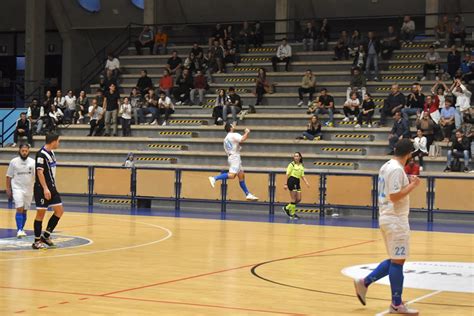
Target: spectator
x,y
244,37
432,61
234,106
324,35
130,161
174,64
185,84
390,42
229,33
22,129
351,107
161,42
412,168
420,143
458,30
150,107
407,31
166,83
309,34
460,146
82,105
415,102
399,131
144,83
442,30
360,58
218,53
439,90
189,63
230,53
36,116
96,114
59,100
113,65
218,35
342,47
197,51
165,107
136,101
324,104
463,100
99,96
354,42
431,106
428,128
55,118
283,54
221,101
145,39
308,85
70,105
454,61
126,116
111,105
210,64
467,126
200,86
262,85
367,111
373,49
357,84
257,35
447,120
313,129
392,104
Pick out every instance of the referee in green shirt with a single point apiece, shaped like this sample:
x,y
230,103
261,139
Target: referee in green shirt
x,y
294,172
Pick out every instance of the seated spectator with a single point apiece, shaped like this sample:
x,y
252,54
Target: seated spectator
x,y
200,86
420,143
144,83
257,35
447,120
244,37
399,131
428,127
113,65
48,101
313,129
360,58
465,67
174,64
439,90
324,35
70,105
283,54
308,85
36,116
145,39
454,61
390,42
229,33
372,48
59,100
324,104
230,53
463,100
125,114
367,111
210,65
431,106
136,100
82,105
99,96
442,31
415,102
392,104
467,126
309,34
96,115
197,51
150,107
189,63
221,101
262,85
160,42
218,53
458,30
351,107
354,42
55,118
234,106
432,61
166,83
460,147
184,85
130,161
218,34
341,51
468,68
412,168
22,129
407,31
357,84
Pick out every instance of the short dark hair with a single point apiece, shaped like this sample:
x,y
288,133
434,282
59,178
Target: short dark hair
x,y
24,145
403,147
227,127
51,137
231,89
145,71
324,89
431,47
22,113
284,39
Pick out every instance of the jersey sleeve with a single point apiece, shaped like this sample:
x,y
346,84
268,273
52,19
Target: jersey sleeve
x,y
395,181
40,162
289,169
238,137
10,171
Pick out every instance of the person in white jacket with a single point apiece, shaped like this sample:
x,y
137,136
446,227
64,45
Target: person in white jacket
x,y
463,101
126,115
421,148
283,55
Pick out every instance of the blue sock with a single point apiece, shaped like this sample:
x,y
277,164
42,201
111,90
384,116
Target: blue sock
x,y
244,187
222,176
396,282
378,273
24,220
19,221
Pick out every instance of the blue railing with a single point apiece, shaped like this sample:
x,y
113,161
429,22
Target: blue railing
x,y
8,124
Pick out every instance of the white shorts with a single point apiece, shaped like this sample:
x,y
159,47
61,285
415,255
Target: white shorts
x,y
22,199
397,239
235,164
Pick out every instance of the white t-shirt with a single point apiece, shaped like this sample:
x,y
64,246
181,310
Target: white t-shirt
x,y
98,111
392,178
166,102
22,173
112,64
70,102
352,103
232,144
420,144
126,110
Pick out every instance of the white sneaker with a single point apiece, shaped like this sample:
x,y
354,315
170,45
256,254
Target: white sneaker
x,y
423,78
251,197
219,119
436,43
369,126
437,78
361,290
179,103
346,119
212,181
357,126
242,115
355,118
155,122
402,309
164,123
14,145
20,234
310,103
421,169
300,103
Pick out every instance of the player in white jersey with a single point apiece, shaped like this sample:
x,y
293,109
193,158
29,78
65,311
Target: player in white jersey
x,y
394,188
232,148
20,181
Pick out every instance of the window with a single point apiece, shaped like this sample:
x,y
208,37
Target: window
x,y
90,5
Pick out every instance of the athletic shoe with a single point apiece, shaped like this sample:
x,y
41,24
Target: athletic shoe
x,y
369,126
402,309
251,197
355,118
310,103
300,103
361,290
212,180
423,78
466,169
285,210
295,216
357,125
242,115
437,78
14,145
155,122
38,245
48,242
436,43
164,123
20,234
447,169
346,119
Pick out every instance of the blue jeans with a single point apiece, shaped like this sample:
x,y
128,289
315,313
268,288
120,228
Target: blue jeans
x,y
457,118
310,136
230,108
406,112
329,111
372,59
456,153
144,111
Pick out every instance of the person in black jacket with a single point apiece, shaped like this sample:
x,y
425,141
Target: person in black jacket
x,y
144,83
400,130
309,34
184,85
22,129
415,102
460,146
372,47
393,103
324,35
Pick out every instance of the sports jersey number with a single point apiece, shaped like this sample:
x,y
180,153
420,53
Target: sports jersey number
x,y
42,201
399,251
381,187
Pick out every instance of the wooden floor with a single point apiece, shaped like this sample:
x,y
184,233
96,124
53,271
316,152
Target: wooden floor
x,y
140,265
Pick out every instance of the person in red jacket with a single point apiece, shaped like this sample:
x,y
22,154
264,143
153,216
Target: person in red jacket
x,y
431,104
200,86
166,83
412,168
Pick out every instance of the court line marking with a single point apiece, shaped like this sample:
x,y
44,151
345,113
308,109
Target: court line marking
x,y
90,242
412,301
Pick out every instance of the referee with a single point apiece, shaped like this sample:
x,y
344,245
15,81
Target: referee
x,y
294,172
46,193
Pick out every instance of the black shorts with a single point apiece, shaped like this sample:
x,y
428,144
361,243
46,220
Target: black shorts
x,y
41,201
293,184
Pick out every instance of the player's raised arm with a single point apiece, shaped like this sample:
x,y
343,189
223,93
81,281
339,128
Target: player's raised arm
x,y
245,136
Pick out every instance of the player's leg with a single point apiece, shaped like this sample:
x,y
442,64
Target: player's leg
x,y
297,200
58,211
38,227
249,196
234,168
291,207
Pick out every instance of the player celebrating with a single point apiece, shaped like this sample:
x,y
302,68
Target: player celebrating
x,y
20,180
294,172
394,188
46,193
232,148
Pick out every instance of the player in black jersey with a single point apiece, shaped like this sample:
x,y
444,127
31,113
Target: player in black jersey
x,y
46,193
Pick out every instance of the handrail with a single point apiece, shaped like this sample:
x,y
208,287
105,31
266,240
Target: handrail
x,y
2,121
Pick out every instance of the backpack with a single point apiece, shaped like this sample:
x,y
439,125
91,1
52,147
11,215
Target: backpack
x,y
456,165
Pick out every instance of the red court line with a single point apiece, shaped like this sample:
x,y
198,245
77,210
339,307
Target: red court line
x,y
230,269
19,312
42,307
